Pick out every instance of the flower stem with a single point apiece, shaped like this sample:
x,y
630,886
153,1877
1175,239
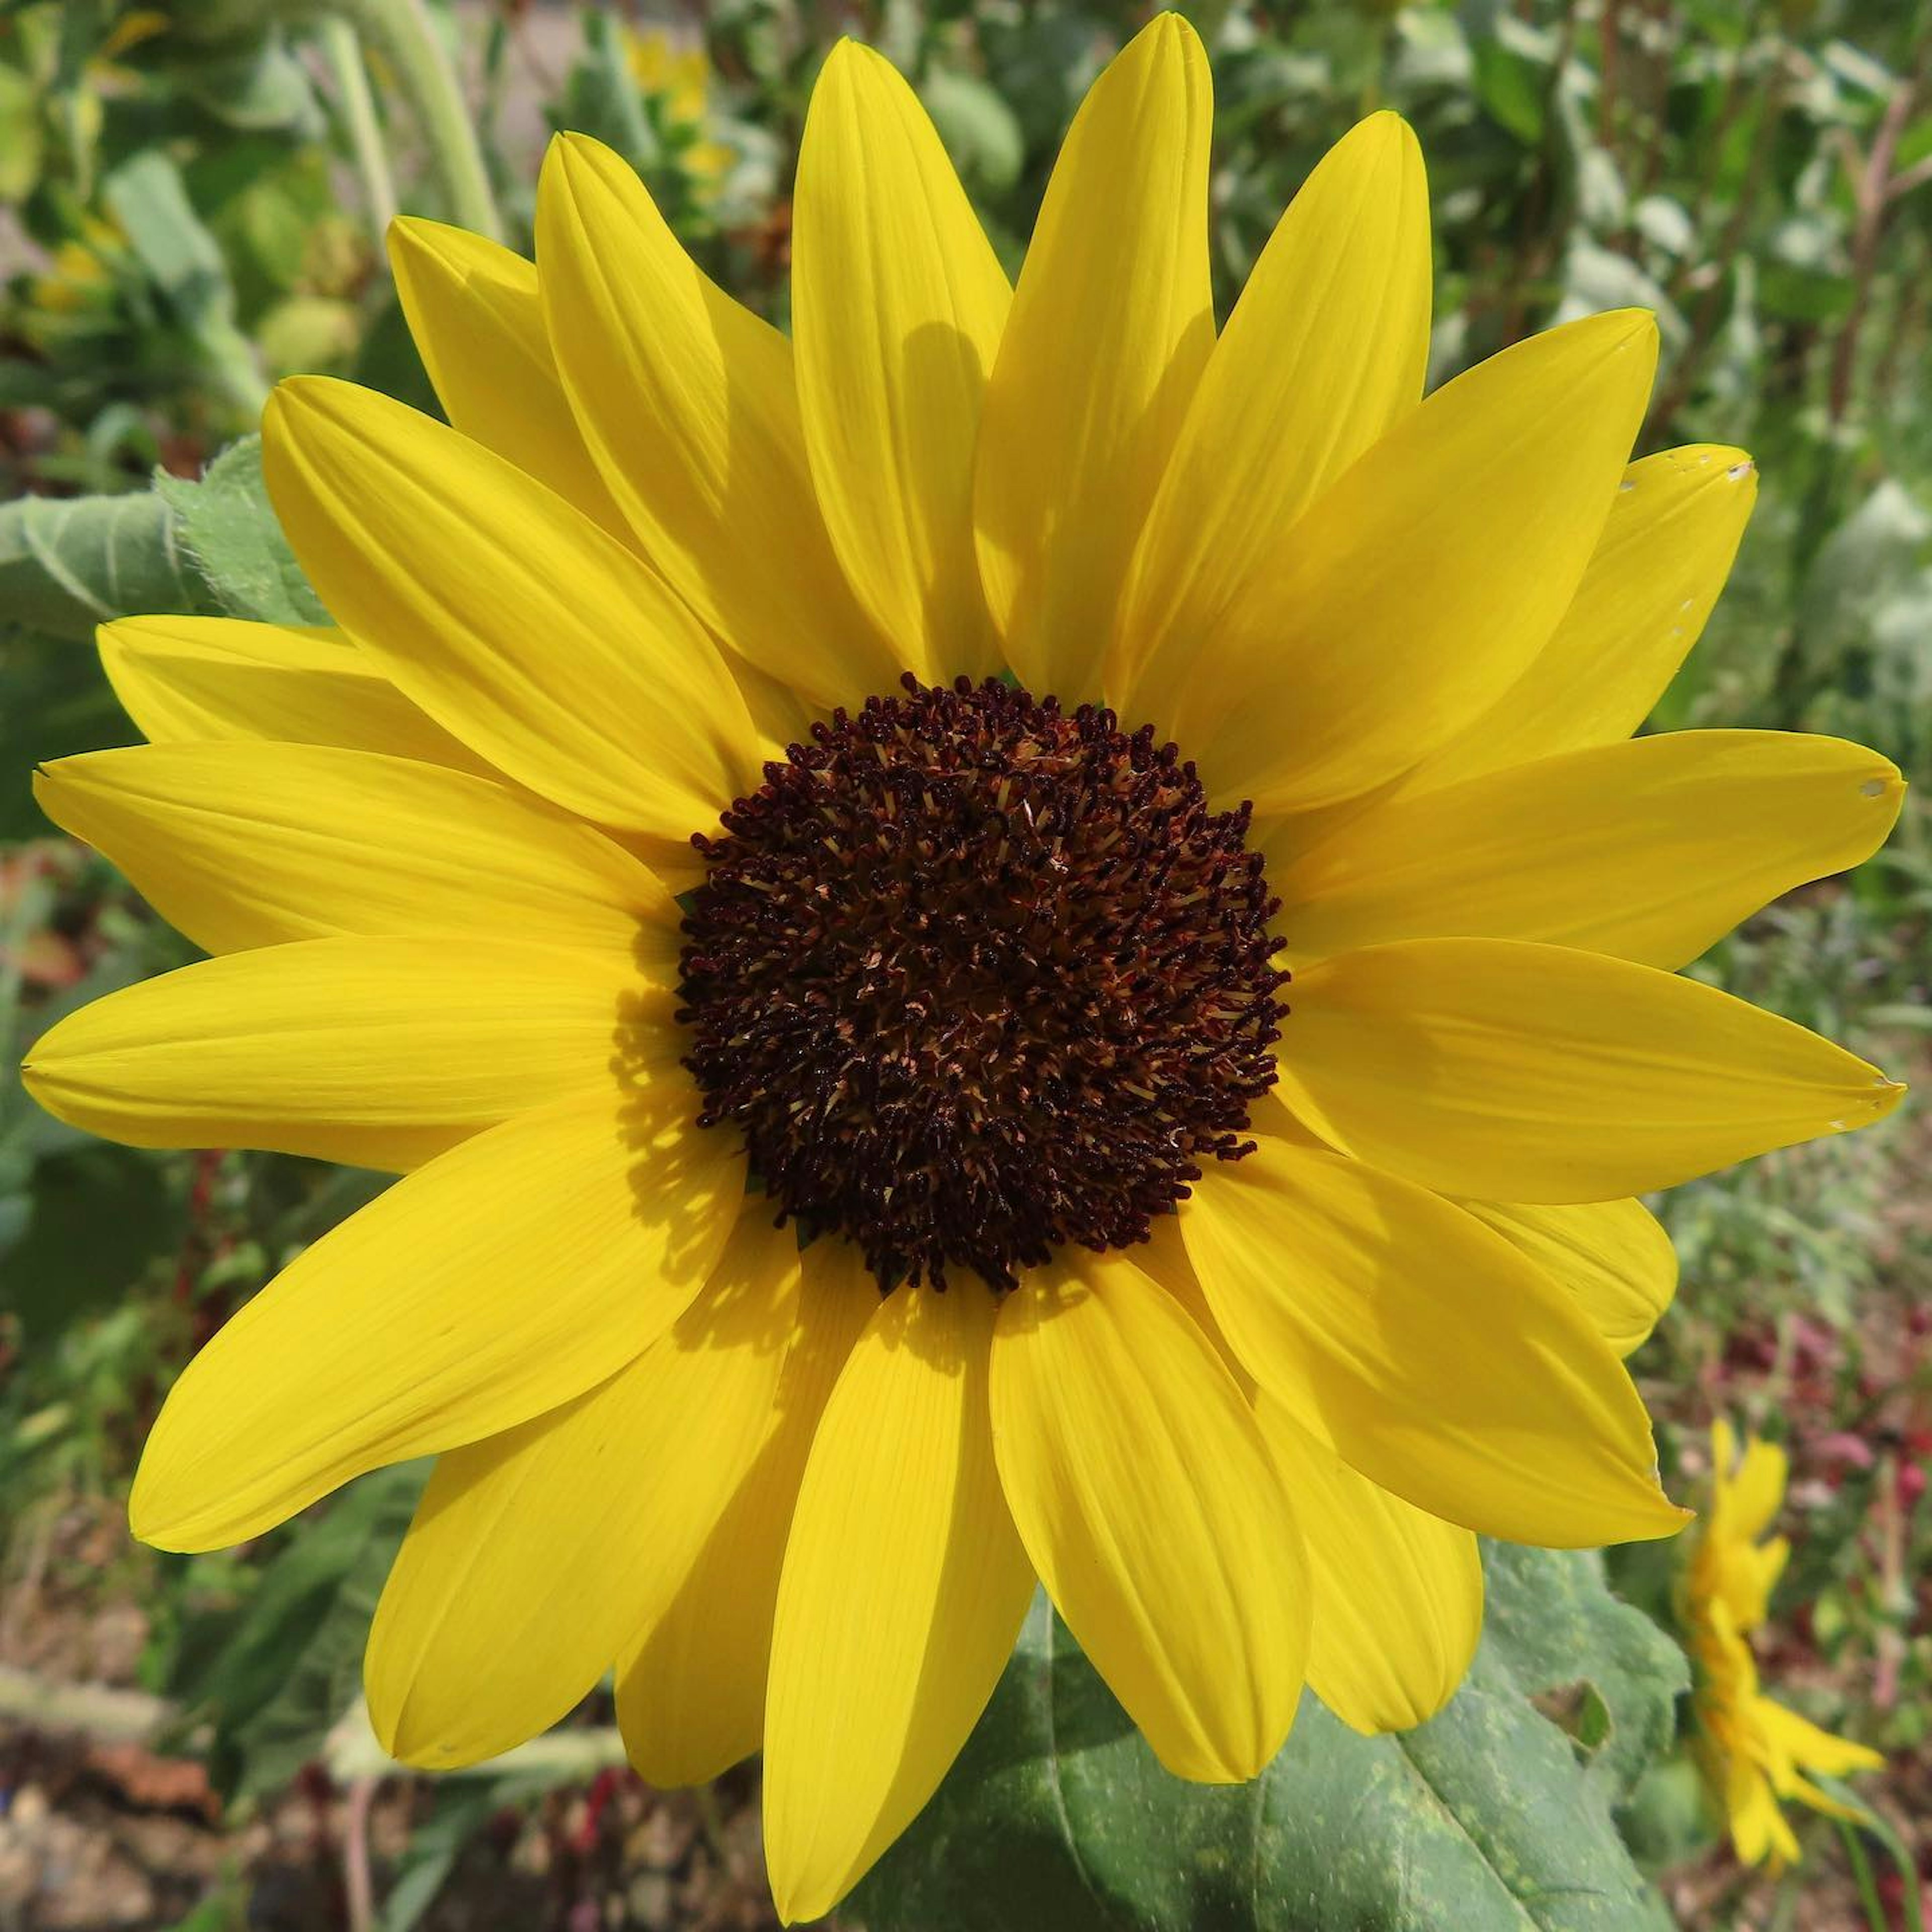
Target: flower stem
x,y
402,31
1875,1916
344,53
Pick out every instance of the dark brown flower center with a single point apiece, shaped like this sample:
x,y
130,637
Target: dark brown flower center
x,y
975,976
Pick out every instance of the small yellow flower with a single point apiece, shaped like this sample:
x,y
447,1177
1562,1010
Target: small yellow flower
x,y
676,80
80,275
72,280
678,77
1754,1751
1229,1306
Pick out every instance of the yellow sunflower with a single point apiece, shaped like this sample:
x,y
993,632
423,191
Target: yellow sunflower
x,y
952,1189
1755,1752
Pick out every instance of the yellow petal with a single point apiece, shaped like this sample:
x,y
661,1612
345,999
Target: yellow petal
x,y
1149,1503
897,301
1443,1365
691,1688
1324,351
536,1556
781,717
686,402
1650,849
1398,1593
1111,328
378,1052
506,614
1674,527
1749,1496
1418,588
519,1269
185,678
1163,1258
1505,1070
1799,1741
1758,1827
473,308
244,844
1613,1255
903,1589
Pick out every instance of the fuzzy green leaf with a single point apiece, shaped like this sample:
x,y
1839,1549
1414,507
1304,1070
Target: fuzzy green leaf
x,y
228,527
1493,1816
69,563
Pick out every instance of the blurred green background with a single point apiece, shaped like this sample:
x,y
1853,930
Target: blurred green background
x,y
192,197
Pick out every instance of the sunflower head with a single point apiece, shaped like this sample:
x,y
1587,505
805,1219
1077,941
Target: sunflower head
x,y
976,977
875,783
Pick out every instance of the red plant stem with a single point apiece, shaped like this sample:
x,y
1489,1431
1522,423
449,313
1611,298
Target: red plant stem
x,y
1873,198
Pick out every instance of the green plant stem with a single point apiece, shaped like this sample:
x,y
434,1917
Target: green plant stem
x,y
403,32
344,53
1861,1877
1875,1823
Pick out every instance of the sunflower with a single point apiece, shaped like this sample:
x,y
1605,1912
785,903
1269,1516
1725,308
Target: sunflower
x,y
863,1149
1754,1751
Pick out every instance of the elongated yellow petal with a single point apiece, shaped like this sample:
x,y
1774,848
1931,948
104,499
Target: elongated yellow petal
x,y
1324,351
537,1554
474,310
378,1052
1674,527
780,716
1505,1070
903,1588
1758,1829
1418,588
244,844
510,1276
1147,1500
504,612
1613,1255
685,400
1444,1366
1649,850
1748,1489
187,679
1397,1593
1111,328
1163,1258
897,301
690,1687
1797,1740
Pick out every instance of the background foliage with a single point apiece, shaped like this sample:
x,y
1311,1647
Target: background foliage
x,y
191,200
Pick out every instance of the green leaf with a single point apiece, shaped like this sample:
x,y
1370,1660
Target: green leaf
x,y
264,86
69,563
95,1217
56,702
229,527
1513,63
1552,1615
982,133
149,199
1492,1816
288,1668
23,144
